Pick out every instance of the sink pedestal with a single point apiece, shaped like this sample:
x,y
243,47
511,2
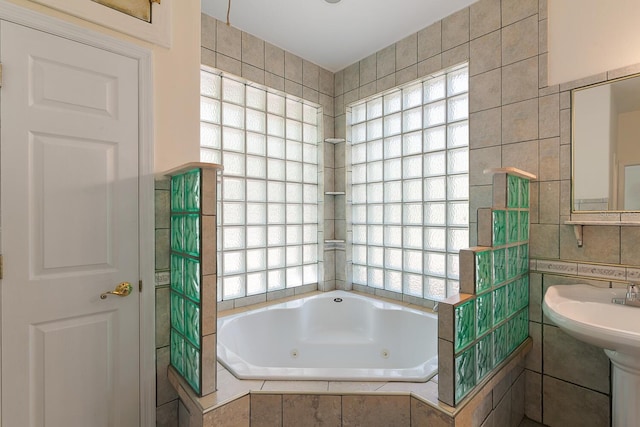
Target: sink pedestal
x,y
626,389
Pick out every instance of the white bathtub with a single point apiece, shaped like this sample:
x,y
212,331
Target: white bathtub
x,y
332,336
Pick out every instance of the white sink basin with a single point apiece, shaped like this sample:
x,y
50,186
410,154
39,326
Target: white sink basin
x,y
587,313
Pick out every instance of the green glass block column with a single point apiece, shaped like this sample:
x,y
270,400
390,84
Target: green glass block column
x,y
193,274
479,328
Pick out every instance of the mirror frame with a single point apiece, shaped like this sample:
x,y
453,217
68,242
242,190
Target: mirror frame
x,y
613,214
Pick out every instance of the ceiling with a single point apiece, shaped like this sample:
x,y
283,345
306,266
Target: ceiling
x,y
332,36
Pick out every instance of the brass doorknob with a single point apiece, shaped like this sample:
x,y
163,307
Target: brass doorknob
x,y
122,290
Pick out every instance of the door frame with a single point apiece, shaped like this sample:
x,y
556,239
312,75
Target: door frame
x,y
38,21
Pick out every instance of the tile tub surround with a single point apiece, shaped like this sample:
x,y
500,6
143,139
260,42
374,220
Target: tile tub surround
x,y
193,274
498,401
489,319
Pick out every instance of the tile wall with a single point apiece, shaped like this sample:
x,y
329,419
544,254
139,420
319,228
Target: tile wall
x,y
516,119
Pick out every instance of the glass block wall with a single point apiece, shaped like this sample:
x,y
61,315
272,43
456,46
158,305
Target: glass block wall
x,y
479,328
410,186
269,145
193,275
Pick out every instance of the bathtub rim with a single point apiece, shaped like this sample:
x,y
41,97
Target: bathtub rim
x,y
420,373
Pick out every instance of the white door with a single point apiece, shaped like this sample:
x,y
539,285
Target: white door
x,y
69,212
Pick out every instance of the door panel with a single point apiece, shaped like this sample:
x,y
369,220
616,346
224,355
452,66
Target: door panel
x,y
69,211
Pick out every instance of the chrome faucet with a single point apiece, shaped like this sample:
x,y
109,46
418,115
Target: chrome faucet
x,y
632,298
633,295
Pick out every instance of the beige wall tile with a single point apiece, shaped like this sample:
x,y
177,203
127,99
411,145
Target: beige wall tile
x,y
376,410
425,415
430,65
521,155
455,29
228,64
292,67
310,75
485,91
310,94
549,168
407,52
338,80
542,36
535,297
326,83
266,410
407,75
566,404
544,241
484,17
430,41
534,358
385,83
163,298
386,61
479,196
274,59
253,74
455,56
229,41
600,244
483,158
367,90
520,81
533,202
533,396
162,249
253,50
352,77
565,127
485,128
368,69
326,102
308,410
164,390
520,41
515,10
237,410
485,53
167,415
520,121
208,31
207,57
549,202
629,248
569,359
549,116
293,88
162,206
517,400
274,81
502,411
338,105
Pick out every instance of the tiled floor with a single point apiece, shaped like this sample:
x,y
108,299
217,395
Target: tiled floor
x,y
530,423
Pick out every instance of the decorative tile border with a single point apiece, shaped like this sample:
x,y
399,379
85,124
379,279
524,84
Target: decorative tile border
x,y
587,270
557,267
163,278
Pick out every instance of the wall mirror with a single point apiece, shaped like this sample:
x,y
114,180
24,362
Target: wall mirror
x,y
606,146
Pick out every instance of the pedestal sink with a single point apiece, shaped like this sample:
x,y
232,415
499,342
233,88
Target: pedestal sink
x,y
588,314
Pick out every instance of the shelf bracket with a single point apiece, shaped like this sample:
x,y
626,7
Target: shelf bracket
x,y
577,230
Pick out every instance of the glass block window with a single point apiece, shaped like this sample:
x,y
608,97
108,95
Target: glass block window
x,y
410,186
268,197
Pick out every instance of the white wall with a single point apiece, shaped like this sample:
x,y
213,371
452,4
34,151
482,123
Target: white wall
x,y
176,82
586,37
